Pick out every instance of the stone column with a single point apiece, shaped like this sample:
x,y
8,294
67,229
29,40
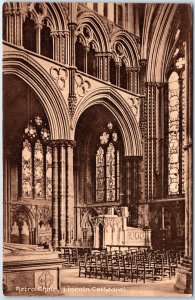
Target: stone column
x,y
14,23
105,70
54,42
70,196
188,149
147,236
150,140
76,201
31,236
106,67
134,79
6,198
86,50
109,58
184,271
99,65
128,180
72,69
62,195
128,78
38,28
118,67
60,46
103,66
163,94
55,194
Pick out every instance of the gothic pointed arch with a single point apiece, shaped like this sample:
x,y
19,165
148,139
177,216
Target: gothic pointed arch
x,y
87,215
99,34
127,47
159,46
21,214
54,13
126,119
58,13
50,96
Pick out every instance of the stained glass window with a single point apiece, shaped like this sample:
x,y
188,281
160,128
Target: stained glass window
x,y
110,173
38,170
27,169
48,172
173,133
107,166
176,109
100,175
183,127
36,161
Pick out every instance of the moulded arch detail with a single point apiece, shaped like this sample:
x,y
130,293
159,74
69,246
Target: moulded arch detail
x,y
42,84
115,103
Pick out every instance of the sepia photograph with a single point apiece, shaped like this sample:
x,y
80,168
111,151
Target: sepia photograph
x,y
97,109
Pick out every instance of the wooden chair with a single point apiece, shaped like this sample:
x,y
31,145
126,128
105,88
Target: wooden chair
x,y
145,270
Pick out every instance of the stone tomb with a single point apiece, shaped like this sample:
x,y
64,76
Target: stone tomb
x,y
30,268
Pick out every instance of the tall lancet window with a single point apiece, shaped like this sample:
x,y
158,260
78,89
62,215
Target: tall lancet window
x,y
176,106
36,161
107,166
174,133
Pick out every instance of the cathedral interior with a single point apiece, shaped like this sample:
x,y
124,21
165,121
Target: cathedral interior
x,y
97,125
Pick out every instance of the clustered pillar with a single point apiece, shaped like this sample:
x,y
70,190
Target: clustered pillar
x,y
60,46
103,66
62,194
72,69
13,26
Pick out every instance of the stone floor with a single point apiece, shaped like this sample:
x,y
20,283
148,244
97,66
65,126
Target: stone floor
x,y
73,285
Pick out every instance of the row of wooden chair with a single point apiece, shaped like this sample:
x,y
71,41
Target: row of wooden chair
x,y
70,255
126,266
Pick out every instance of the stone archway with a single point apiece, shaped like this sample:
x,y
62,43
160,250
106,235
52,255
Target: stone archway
x,y
23,226
38,79
87,228
119,108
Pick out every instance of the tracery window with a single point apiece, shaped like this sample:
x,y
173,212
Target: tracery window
x,y
36,161
37,31
176,103
107,166
29,34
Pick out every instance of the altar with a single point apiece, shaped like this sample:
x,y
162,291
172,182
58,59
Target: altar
x,y
110,229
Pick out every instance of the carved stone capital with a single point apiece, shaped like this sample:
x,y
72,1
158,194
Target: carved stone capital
x,y
72,26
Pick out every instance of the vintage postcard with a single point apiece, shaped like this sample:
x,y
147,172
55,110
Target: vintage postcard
x,y
97,149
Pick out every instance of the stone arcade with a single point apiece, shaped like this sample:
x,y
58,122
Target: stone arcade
x,y
97,106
